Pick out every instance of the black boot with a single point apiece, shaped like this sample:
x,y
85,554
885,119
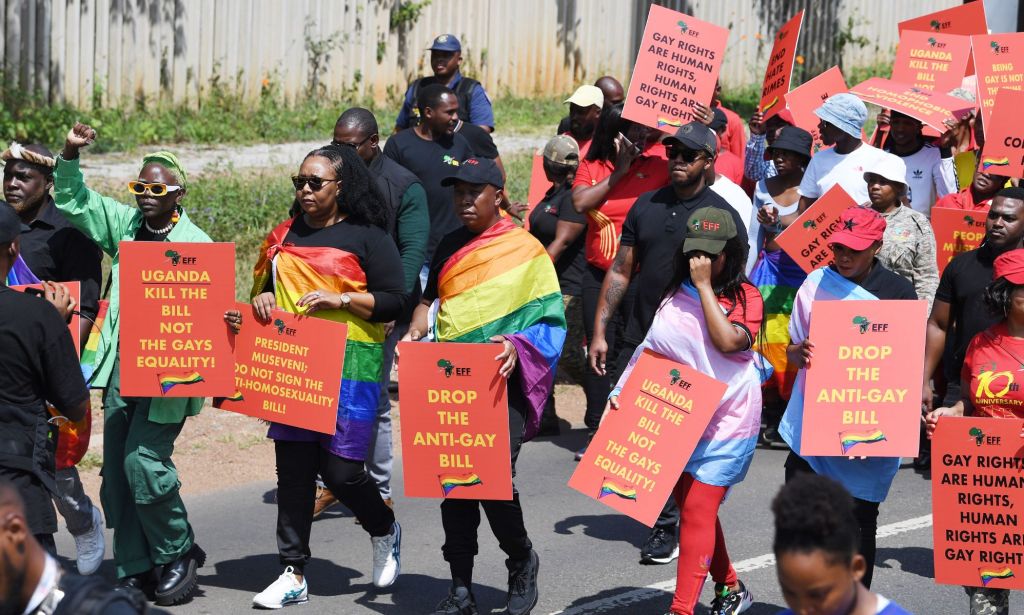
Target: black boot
x,y
143,583
179,579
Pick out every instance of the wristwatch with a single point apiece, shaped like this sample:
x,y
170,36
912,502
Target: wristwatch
x,y
346,300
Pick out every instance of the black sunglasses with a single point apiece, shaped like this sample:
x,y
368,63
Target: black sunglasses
x,y
315,183
352,145
688,155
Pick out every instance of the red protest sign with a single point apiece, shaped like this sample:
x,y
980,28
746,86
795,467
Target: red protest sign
x,y
956,231
640,450
931,61
174,341
803,100
1004,142
861,395
965,19
677,66
806,239
932,108
74,325
977,497
288,370
999,61
780,67
539,185
454,420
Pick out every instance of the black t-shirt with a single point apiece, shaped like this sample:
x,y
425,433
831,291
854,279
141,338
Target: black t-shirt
x,y
557,205
887,285
377,255
655,227
432,161
480,141
58,252
962,286
38,361
563,126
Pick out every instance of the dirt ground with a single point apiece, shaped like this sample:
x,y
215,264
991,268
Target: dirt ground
x,y
220,449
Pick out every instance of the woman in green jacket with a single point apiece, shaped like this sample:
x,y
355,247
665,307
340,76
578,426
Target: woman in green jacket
x,y
140,483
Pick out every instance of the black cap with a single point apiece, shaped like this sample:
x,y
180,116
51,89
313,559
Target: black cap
x,y
695,136
792,139
10,224
476,171
718,119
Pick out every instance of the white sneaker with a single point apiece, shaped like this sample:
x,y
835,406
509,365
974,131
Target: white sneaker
x,y
90,546
387,556
284,591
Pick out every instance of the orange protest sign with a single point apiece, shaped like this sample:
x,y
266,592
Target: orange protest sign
x,y
74,325
174,341
862,395
454,420
932,108
965,19
930,60
539,185
1004,141
999,61
677,66
806,239
956,231
780,67
977,498
288,370
640,450
803,100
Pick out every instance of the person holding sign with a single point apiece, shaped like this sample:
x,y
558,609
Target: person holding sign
x,y
756,166
977,196
709,318
140,483
336,260
990,371
815,545
494,283
930,171
856,275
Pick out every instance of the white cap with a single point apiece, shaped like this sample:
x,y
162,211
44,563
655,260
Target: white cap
x,y
889,166
587,96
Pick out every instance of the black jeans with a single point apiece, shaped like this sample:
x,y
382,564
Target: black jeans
x,y
597,387
297,466
461,518
866,513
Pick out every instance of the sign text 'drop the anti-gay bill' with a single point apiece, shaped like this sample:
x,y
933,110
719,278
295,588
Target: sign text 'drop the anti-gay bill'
x,y
640,450
454,419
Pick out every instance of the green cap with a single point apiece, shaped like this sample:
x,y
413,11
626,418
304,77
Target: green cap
x,y
708,230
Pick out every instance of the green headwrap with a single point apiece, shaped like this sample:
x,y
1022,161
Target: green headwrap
x,y
170,162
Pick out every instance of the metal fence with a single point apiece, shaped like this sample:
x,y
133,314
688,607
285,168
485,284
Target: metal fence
x,y
112,51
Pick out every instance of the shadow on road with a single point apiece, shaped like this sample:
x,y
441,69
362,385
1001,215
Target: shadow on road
x,y
914,560
610,527
657,602
417,593
255,572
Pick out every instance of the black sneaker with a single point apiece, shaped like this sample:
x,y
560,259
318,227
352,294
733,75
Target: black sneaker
x,y
460,601
771,437
661,547
522,584
728,602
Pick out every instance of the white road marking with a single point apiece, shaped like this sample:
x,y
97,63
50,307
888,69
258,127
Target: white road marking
x,y
626,599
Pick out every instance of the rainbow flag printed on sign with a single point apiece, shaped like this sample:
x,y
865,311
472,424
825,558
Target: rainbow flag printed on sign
x,y
849,439
610,487
169,381
988,574
988,163
662,122
451,481
236,396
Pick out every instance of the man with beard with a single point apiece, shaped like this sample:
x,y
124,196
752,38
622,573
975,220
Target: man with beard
x,y
584,108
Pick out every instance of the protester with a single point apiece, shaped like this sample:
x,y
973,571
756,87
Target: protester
x,y
735,137
585,106
908,248
976,196
740,202
33,583
38,365
930,172
856,275
154,545
841,120
756,165
624,161
776,275
651,235
708,320
445,59
727,164
430,151
816,558
559,228
611,94
996,350
53,250
408,225
508,294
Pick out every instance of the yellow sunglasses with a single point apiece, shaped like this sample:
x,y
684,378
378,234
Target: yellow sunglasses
x,y
156,189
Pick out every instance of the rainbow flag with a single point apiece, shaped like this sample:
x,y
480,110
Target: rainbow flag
x,y
987,574
297,270
236,396
169,381
849,439
503,283
662,122
995,162
451,481
777,277
610,487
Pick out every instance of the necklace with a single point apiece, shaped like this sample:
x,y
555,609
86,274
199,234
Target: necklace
x,y
159,231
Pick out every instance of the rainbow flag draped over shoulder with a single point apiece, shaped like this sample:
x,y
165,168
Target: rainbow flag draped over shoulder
x,y
777,277
503,283
296,271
